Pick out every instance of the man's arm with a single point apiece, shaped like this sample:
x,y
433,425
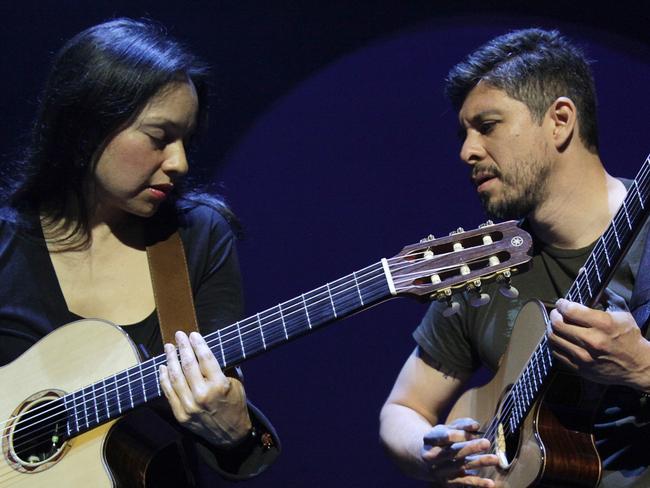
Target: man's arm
x,y
412,435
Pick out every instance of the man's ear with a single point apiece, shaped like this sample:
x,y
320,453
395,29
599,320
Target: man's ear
x,y
563,121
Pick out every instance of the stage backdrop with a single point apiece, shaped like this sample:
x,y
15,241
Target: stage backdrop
x,y
333,143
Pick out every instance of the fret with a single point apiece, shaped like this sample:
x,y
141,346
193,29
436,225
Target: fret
x,y
627,217
306,310
586,278
613,227
252,336
117,395
320,306
527,390
577,287
295,316
606,253
128,384
270,322
345,297
638,194
259,324
124,395
539,371
354,275
156,369
144,387
223,356
108,412
67,409
284,324
595,267
95,403
241,342
329,293
84,402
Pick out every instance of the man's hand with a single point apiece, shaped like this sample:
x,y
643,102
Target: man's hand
x,y
454,452
605,347
202,398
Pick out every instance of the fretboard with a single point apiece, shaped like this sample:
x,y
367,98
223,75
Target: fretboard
x,y
113,396
598,270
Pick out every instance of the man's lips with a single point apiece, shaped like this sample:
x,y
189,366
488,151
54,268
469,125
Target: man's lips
x,y
482,180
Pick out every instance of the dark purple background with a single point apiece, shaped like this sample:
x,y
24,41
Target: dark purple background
x,y
336,147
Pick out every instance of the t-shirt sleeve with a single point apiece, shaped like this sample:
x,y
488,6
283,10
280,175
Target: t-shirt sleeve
x,y
446,341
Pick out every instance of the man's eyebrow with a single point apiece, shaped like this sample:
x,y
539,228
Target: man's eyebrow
x,y
485,114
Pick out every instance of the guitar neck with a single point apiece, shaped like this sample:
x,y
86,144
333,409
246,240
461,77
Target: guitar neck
x,y
432,268
587,289
113,396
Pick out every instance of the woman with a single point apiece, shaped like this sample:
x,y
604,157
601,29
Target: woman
x,y
102,176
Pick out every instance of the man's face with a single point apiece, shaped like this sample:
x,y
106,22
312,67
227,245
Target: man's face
x,y
507,151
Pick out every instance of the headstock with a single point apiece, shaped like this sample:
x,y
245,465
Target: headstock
x,y
463,261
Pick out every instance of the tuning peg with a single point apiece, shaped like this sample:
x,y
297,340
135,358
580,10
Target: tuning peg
x,y
479,299
506,288
509,291
476,297
429,238
460,230
452,307
486,224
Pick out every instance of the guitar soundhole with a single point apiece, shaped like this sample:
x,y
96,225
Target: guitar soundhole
x,y
34,436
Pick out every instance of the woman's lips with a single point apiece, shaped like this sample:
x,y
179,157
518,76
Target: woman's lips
x,y
161,191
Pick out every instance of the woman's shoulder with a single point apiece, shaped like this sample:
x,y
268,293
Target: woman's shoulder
x,y
202,211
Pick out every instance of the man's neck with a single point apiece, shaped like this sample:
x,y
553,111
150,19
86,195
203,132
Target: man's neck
x,y
581,202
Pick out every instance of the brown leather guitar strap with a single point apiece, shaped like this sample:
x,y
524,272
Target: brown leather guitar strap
x,y
171,287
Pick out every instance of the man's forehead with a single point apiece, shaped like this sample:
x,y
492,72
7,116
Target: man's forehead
x,y
484,100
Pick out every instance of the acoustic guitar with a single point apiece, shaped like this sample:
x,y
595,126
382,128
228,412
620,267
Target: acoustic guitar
x,y
59,409
537,417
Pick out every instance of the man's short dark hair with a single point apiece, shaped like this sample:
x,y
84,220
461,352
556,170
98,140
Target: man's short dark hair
x,y
533,66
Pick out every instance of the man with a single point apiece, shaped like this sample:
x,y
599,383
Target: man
x,y
527,112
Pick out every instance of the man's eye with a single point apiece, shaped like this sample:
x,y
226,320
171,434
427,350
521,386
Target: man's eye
x,y
486,127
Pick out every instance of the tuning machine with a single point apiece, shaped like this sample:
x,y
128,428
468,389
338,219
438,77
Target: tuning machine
x,y
505,281
446,296
476,297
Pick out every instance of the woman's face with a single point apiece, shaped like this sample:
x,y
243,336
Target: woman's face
x,y
137,169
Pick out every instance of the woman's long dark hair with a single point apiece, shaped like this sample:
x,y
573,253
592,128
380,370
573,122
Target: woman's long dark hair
x,y
100,80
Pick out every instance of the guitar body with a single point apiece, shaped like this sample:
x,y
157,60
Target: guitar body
x,y
65,360
553,447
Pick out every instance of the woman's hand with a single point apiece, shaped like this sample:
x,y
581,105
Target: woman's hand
x,y
202,398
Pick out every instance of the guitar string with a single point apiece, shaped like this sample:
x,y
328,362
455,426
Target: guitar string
x,y
636,208
138,397
631,210
142,376
574,290
576,280
79,402
82,401
141,379
377,272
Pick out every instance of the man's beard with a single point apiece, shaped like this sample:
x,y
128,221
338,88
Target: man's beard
x,y
522,190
